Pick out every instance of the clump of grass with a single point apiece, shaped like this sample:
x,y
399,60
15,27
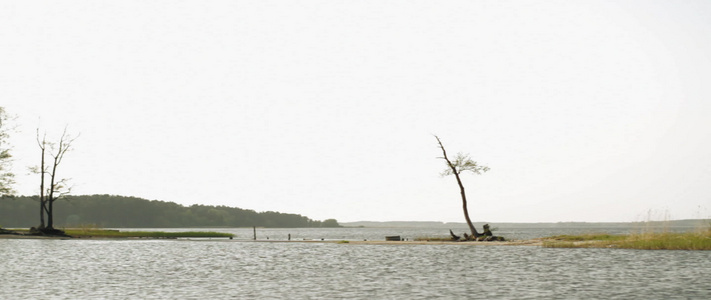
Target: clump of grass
x,y
107,233
581,241
699,240
587,237
668,241
343,242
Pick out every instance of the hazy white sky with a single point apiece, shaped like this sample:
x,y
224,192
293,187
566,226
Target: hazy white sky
x,y
583,110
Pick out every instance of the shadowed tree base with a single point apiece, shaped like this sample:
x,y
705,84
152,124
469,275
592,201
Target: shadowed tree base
x,y
48,232
5,231
487,236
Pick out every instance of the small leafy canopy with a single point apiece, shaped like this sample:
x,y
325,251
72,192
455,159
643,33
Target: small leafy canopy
x,y
461,163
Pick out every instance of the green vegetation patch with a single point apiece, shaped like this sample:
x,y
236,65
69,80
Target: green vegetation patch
x,y
588,237
668,241
107,233
699,240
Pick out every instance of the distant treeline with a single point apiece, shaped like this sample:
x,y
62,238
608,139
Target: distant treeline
x,y
702,223
131,212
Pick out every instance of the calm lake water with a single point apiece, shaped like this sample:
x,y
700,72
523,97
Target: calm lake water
x,y
222,268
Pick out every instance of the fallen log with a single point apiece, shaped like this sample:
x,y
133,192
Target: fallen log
x,y
486,236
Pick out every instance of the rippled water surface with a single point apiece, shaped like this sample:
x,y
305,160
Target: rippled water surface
x,y
191,269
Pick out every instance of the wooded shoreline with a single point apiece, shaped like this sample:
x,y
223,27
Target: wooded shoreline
x,y
112,211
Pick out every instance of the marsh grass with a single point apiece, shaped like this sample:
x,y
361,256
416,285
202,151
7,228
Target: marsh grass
x,y
593,240
699,239
668,241
587,237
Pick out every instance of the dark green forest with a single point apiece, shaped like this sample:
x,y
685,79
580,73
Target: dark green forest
x,y
130,212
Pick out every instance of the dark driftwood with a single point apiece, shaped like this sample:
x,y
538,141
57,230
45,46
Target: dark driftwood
x,y
485,237
454,236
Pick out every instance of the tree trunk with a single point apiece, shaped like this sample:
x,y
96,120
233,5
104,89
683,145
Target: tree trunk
x,y
43,207
475,234
50,199
50,216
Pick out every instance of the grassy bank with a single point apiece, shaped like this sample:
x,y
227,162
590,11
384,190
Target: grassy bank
x,y
698,240
95,232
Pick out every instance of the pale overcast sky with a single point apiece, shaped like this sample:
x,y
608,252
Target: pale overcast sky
x,y
583,110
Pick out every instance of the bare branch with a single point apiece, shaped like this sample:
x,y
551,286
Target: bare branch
x,y
42,144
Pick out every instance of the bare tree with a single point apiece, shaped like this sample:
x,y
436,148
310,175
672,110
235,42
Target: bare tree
x,y
462,163
57,187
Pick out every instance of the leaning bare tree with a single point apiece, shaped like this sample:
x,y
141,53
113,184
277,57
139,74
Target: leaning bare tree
x,y
462,163
49,193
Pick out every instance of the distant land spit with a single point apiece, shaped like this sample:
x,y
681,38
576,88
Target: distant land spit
x,y
434,224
